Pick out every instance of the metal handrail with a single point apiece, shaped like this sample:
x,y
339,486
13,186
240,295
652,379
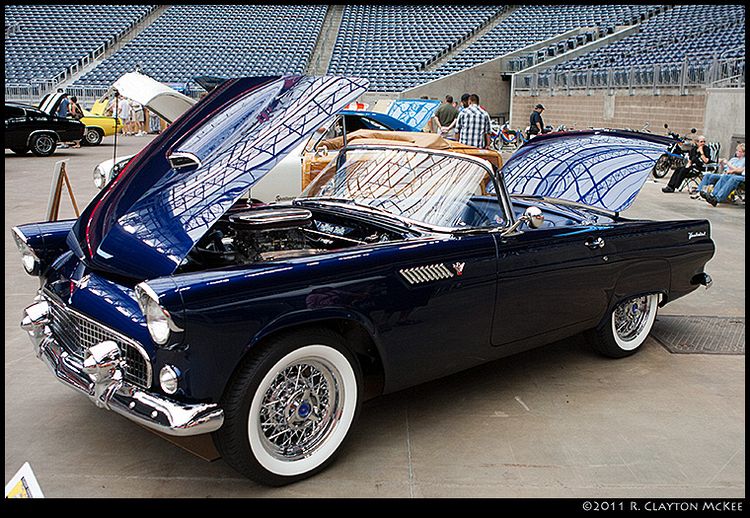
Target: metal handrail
x,y
728,72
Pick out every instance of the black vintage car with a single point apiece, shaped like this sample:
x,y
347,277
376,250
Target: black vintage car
x,y
29,129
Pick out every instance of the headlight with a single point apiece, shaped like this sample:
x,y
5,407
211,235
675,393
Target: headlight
x,y
29,259
100,177
158,320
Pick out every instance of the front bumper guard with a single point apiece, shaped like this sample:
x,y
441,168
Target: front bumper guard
x,y
100,377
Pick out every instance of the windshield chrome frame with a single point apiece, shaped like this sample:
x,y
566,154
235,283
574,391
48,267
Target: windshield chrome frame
x,y
500,188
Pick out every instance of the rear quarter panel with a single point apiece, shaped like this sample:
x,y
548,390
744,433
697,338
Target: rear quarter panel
x,y
659,257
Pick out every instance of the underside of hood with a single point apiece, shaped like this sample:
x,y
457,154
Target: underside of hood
x,y
599,168
164,101
147,220
414,112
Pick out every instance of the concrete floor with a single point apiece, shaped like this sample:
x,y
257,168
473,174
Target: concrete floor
x,y
559,421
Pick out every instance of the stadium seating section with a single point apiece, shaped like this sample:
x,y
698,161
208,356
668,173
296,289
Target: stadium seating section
x,y
699,33
394,46
47,39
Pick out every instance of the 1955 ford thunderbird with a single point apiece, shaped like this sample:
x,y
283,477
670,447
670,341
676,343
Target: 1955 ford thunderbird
x,y
177,303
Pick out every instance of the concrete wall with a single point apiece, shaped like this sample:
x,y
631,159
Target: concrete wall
x,y
600,110
725,118
718,113
483,80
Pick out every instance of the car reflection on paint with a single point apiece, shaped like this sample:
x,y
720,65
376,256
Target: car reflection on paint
x,y
178,303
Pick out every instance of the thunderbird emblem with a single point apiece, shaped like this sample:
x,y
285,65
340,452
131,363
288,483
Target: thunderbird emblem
x,y
459,267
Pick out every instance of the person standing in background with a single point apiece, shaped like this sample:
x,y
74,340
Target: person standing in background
x,y
445,115
536,124
473,125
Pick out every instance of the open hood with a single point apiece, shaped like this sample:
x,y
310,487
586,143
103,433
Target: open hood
x,y
50,102
164,101
414,112
599,168
144,223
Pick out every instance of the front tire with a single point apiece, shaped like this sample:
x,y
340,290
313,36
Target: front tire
x,y
19,150
626,327
662,167
290,407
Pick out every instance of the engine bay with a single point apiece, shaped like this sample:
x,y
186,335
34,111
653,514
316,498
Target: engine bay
x,y
246,235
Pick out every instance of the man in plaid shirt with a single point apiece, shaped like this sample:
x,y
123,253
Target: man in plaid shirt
x,y
473,127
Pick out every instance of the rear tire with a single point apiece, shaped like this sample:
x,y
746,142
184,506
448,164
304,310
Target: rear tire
x,y
92,137
626,326
20,150
290,407
43,145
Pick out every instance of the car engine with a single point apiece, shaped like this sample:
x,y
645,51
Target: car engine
x,y
265,234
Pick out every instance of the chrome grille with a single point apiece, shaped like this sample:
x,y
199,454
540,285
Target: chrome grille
x,y
75,332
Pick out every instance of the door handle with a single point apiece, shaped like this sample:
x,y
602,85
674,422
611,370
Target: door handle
x,y
594,243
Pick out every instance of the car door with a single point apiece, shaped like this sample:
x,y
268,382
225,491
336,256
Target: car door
x,y
15,122
552,283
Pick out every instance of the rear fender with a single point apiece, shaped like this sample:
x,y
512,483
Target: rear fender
x,y
644,277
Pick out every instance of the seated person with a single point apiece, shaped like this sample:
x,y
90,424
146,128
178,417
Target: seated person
x,y
732,176
698,157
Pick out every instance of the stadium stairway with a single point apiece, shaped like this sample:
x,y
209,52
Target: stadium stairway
x,y
499,17
323,51
135,31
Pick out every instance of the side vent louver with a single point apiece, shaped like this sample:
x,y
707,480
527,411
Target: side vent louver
x,y
429,273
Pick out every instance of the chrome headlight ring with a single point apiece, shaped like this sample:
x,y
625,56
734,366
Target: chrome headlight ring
x,y
158,320
29,259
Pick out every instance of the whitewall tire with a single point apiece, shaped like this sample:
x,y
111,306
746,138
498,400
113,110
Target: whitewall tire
x,y
290,407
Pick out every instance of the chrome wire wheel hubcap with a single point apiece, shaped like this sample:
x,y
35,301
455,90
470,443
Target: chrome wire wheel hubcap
x,y
631,317
300,409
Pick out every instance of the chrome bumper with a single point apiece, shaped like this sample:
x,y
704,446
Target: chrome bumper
x,y
100,377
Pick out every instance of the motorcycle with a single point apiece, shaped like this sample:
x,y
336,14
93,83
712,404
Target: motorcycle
x,y
675,156
503,137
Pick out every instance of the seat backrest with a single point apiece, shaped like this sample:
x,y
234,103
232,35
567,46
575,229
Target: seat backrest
x,y
714,148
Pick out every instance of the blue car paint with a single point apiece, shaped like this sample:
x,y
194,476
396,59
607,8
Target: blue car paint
x,y
599,168
389,122
421,332
147,220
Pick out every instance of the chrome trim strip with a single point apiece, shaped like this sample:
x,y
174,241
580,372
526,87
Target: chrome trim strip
x,y
427,273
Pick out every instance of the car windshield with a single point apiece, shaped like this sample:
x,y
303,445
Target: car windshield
x,y
438,189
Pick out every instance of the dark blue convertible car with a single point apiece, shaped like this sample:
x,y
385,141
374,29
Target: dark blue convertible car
x,y
177,303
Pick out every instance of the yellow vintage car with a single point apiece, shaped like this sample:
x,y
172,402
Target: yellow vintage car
x,y
97,124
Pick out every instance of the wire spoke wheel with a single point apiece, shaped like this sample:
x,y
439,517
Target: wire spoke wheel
x,y
300,408
630,318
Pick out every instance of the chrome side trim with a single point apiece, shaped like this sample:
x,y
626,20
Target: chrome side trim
x,y
428,273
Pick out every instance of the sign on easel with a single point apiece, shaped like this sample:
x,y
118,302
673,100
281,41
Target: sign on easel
x,y
23,484
59,176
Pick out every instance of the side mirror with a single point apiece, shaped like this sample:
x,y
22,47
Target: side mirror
x,y
321,151
533,217
666,126
693,130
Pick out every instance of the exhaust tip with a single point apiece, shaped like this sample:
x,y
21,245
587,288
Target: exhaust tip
x,y
702,279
